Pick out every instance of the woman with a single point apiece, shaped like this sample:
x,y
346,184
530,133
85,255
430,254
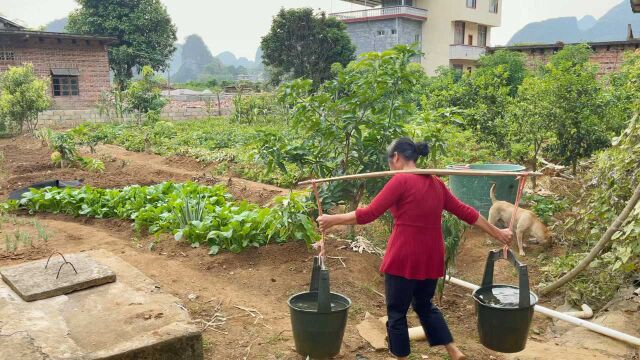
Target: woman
x,y
414,260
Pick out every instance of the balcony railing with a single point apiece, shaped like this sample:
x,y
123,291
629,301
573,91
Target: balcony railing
x,y
466,52
382,13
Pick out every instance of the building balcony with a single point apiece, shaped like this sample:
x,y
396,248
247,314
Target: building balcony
x,y
466,52
381,13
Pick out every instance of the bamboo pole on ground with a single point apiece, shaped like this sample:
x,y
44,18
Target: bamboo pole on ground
x,y
437,172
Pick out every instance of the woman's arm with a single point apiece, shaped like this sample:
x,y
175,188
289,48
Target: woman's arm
x,y
381,203
326,222
502,235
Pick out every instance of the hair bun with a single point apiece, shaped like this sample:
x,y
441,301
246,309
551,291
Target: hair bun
x,y
422,148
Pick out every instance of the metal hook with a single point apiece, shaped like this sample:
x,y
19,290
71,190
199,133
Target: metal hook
x,y
55,252
63,264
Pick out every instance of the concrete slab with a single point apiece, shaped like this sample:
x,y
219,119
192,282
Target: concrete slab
x,y
32,281
125,320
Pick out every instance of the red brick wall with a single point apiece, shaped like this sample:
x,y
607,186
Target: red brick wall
x,y
609,58
90,59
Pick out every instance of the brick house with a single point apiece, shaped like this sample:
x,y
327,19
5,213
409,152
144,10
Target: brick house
x,y
609,55
75,66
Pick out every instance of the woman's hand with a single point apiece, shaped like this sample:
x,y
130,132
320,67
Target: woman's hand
x,y
505,236
326,222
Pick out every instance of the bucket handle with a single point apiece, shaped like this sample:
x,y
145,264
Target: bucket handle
x,y
523,274
320,284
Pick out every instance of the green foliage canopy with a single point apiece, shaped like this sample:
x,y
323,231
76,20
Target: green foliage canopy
x,y
145,33
305,45
22,97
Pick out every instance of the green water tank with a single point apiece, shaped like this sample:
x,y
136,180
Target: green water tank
x,y
474,190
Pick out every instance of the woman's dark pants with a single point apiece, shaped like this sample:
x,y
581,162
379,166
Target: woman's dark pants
x,y
401,293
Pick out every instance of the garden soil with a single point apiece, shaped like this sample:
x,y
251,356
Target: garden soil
x,y
249,289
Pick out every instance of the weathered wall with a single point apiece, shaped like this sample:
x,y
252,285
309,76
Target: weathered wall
x,y
609,56
364,35
175,111
89,57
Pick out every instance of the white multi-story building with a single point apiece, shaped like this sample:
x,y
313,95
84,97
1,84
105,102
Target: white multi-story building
x,y
451,33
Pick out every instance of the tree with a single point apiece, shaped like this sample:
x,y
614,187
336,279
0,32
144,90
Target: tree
x,y
144,97
579,120
528,120
346,123
305,45
22,97
145,33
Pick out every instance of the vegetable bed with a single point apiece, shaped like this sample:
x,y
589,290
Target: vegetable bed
x,y
201,215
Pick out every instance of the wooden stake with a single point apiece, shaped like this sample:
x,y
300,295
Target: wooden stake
x,y
438,172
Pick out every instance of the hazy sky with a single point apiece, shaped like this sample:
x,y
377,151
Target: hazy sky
x,y
237,26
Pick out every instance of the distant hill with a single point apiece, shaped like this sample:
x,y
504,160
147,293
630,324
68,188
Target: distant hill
x,y
228,58
195,57
610,27
57,25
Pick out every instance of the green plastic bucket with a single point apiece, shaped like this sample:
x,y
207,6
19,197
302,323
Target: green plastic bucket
x,y
318,317
474,190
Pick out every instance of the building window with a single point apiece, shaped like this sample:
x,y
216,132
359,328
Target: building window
x,y
380,32
493,6
459,33
394,31
471,4
482,35
65,82
470,40
458,67
7,55
417,39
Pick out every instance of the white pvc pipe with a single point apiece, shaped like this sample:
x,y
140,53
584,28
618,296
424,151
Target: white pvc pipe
x,y
564,317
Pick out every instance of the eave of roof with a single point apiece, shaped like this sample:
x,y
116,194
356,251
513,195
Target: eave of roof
x,y
28,33
561,44
7,21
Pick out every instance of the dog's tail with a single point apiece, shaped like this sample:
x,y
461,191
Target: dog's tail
x,y
492,193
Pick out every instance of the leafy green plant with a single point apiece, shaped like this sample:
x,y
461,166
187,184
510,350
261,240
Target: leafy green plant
x,y
143,97
10,243
452,230
91,164
22,96
211,217
545,206
42,232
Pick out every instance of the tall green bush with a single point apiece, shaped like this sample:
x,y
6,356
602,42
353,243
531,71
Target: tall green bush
x,y
22,97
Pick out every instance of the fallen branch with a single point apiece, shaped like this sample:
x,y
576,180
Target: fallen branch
x,y
338,258
253,312
604,240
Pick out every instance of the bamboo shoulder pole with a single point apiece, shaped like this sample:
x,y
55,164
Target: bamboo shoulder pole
x,y
438,172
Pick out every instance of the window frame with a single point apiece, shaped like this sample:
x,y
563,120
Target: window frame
x,y
494,6
381,32
458,37
65,85
473,3
483,34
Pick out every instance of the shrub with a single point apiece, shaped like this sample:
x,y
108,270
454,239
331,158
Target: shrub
x,y
22,97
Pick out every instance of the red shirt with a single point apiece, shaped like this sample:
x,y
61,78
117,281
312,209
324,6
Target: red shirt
x,y
416,247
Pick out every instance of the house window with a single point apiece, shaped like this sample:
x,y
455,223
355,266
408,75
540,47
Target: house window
x,y
7,55
493,6
380,32
471,4
394,31
470,40
459,33
417,39
457,67
65,82
482,35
